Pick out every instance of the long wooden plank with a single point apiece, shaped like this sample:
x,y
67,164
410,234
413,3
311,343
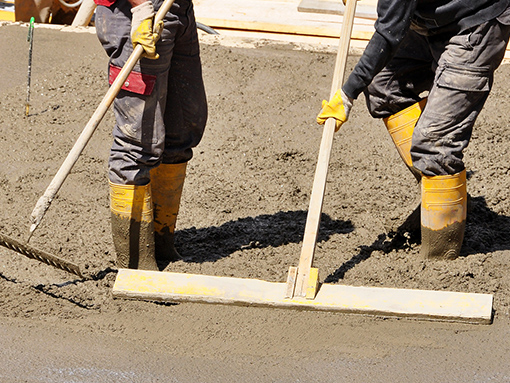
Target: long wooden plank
x,y
293,17
304,30
419,304
336,7
366,9
282,14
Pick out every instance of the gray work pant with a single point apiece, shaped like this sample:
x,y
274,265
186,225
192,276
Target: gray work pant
x,y
161,111
457,72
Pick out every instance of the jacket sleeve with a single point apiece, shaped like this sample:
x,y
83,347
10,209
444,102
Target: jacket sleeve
x,y
393,22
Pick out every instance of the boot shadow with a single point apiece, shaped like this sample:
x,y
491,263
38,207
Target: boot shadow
x,y
486,232
268,230
407,235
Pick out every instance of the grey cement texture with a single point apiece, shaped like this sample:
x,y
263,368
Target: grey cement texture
x,y
243,214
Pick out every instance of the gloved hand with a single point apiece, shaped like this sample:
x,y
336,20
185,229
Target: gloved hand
x,y
338,108
142,31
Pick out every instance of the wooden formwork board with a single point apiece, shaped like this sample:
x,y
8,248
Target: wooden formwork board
x,y
364,8
281,17
419,304
320,18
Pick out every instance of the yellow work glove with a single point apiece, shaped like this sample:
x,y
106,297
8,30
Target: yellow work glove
x,y
338,108
142,30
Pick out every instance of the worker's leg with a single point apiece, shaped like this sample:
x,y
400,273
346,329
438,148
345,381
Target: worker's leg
x,y
464,76
168,182
401,126
186,106
163,126
185,118
443,215
397,96
139,133
132,226
396,93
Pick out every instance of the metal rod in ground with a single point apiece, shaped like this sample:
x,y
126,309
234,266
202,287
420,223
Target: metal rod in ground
x,y
30,39
40,255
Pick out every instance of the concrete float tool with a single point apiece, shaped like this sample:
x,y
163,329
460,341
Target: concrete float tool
x,y
302,289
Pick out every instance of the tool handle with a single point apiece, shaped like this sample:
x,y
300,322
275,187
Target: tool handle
x,y
321,171
45,200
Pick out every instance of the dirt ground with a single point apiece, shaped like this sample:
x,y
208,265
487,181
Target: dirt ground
x,y
243,214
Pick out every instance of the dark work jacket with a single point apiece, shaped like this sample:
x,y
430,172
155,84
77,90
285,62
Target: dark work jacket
x,y
428,17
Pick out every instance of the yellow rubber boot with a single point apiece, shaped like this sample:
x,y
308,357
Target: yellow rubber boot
x,y
401,126
167,182
443,215
133,226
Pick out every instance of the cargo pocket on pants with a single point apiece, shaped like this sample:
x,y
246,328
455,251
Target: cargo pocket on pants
x,y
463,79
459,91
135,106
136,82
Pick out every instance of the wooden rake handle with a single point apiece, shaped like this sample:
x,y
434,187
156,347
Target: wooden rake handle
x,y
300,279
44,202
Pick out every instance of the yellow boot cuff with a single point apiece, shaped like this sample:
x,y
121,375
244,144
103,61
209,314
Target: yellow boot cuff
x,y
444,200
131,201
401,126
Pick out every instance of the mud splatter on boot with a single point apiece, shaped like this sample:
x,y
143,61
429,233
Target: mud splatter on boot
x,y
443,215
167,183
132,226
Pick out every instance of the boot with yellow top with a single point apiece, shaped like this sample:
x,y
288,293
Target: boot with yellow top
x,y
167,183
133,226
443,215
401,126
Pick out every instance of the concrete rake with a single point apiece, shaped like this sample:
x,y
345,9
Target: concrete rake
x,y
302,289
39,255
